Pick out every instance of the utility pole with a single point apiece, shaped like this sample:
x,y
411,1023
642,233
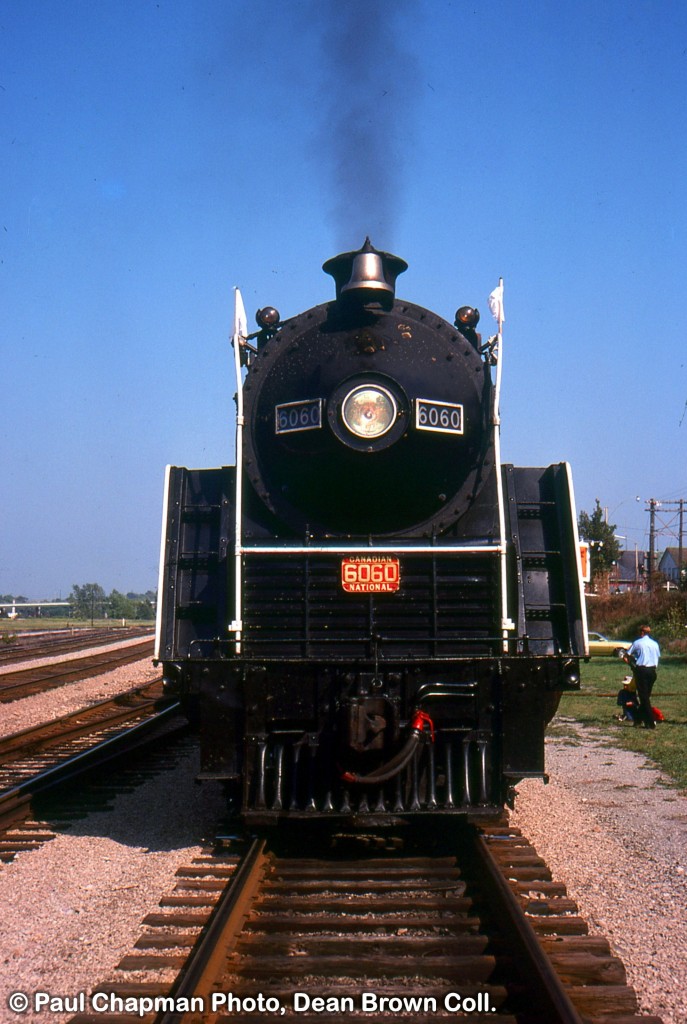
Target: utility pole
x,y
679,544
665,506
652,540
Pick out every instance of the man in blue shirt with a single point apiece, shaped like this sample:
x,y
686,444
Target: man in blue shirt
x,y
643,657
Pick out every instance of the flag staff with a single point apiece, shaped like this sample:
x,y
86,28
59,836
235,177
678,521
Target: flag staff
x,y
238,339
496,352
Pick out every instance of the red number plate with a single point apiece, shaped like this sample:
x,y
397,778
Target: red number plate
x,y
370,575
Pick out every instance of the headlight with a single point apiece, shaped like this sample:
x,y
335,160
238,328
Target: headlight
x,y
369,411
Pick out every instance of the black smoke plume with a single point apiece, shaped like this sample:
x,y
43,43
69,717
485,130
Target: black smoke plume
x,y
368,95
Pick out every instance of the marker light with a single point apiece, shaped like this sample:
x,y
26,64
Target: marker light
x,y
467,316
369,411
267,317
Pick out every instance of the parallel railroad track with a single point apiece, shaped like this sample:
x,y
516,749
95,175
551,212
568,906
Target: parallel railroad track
x,y
28,681
35,760
65,641
484,931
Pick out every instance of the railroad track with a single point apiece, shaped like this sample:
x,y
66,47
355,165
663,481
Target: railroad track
x,y
16,648
478,929
36,760
28,681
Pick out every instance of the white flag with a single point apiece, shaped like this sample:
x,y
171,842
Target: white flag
x,y
240,318
496,303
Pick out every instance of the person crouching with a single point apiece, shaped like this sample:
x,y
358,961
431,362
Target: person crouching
x,y
627,700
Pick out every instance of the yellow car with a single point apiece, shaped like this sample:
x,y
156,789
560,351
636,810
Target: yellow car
x,y
601,645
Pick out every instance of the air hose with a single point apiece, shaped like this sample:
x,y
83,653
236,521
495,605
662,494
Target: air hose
x,y
399,761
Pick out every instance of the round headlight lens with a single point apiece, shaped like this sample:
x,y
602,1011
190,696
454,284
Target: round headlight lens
x,y
369,411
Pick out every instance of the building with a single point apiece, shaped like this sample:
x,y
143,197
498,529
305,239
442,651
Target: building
x,y
669,564
629,573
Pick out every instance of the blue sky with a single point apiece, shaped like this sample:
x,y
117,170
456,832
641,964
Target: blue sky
x,y
156,153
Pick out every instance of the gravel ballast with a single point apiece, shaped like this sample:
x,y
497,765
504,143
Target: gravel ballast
x,y
73,908
614,830
44,707
608,824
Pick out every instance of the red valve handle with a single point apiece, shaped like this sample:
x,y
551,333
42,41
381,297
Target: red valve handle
x,y
420,719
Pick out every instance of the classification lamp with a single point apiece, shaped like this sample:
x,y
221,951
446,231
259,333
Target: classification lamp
x,y
467,316
267,317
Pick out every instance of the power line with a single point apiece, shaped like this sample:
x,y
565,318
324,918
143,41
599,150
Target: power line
x,y
669,507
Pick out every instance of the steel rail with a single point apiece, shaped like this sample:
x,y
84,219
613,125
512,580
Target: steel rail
x,y
91,719
17,799
364,923
48,676
42,645
209,954
547,991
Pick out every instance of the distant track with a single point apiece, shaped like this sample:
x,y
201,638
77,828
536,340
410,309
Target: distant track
x,y
28,681
63,641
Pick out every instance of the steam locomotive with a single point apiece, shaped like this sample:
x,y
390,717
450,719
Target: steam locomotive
x,y
370,616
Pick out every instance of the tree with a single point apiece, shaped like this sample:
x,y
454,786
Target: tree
x,y
121,607
144,609
143,604
88,601
604,548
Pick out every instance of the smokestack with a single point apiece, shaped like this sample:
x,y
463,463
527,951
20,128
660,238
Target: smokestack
x,y
365,276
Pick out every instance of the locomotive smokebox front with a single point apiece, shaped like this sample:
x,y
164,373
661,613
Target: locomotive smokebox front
x,y
367,415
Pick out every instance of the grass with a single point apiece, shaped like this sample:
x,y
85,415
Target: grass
x,y
10,628
595,705
36,624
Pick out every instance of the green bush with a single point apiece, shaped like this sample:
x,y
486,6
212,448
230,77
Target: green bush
x,y
620,616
